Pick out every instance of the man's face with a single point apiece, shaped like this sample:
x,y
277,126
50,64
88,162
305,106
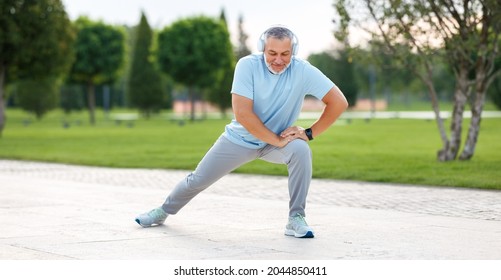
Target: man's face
x,y
278,54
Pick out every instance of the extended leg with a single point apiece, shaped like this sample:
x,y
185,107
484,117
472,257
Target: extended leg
x,y
221,159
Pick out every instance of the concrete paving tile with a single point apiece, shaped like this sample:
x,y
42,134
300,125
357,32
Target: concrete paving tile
x,y
51,211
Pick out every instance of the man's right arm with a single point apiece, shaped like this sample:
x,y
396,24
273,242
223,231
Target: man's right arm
x,y
244,114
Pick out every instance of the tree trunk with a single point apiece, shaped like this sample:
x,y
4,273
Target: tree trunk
x,y
91,99
222,109
427,79
473,131
477,106
191,93
2,101
452,147
460,99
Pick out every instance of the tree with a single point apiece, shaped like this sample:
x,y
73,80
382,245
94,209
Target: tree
x,y
38,95
495,93
219,92
465,34
340,70
144,83
391,74
36,40
99,56
193,51
242,49
71,98
495,90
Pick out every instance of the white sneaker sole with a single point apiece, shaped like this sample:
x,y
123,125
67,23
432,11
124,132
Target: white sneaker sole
x,y
290,232
138,221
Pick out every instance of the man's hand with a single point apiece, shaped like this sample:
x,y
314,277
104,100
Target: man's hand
x,y
294,132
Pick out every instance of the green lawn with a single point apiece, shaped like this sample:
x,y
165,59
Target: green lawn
x,y
394,150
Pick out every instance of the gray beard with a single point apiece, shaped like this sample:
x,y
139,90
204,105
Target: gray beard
x,y
275,72
268,65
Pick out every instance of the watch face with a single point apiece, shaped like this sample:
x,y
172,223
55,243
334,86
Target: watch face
x,y
308,133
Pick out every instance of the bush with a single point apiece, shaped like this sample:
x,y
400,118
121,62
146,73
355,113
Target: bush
x,y
38,96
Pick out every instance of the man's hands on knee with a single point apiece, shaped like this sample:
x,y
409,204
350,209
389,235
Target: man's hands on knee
x,y
292,133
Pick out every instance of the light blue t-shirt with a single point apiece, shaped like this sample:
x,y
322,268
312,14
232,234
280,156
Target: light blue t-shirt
x,y
277,99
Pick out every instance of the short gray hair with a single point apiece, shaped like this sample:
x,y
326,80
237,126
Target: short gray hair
x,y
279,32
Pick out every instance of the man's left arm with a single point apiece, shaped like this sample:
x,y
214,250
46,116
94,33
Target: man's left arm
x,y
335,105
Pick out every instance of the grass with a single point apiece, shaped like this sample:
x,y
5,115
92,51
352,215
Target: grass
x,y
394,150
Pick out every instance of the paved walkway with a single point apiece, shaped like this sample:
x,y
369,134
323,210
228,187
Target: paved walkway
x,y
57,211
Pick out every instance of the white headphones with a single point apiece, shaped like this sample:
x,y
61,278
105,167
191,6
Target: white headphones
x,y
262,39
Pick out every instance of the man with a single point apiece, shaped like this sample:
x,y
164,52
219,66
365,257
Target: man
x,y
267,95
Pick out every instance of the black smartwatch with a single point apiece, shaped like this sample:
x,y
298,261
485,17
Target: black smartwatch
x,y
309,133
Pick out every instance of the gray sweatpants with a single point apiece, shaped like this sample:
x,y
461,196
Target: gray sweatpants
x,y
225,156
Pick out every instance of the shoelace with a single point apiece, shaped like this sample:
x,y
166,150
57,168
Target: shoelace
x,y
155,213
300,220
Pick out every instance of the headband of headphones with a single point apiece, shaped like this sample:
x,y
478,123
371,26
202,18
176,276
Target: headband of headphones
x,y
262,39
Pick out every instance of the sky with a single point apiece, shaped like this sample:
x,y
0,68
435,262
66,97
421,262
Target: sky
x,y
311,20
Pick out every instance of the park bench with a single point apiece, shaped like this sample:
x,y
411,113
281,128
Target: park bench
x,y
127,118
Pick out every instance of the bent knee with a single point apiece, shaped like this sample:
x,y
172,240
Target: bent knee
x,y
300,148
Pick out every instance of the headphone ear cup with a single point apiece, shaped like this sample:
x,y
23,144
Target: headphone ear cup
x,y
260,43
295,44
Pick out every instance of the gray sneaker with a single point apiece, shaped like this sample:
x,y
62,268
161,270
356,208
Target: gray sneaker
x,y
156,216
298,227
